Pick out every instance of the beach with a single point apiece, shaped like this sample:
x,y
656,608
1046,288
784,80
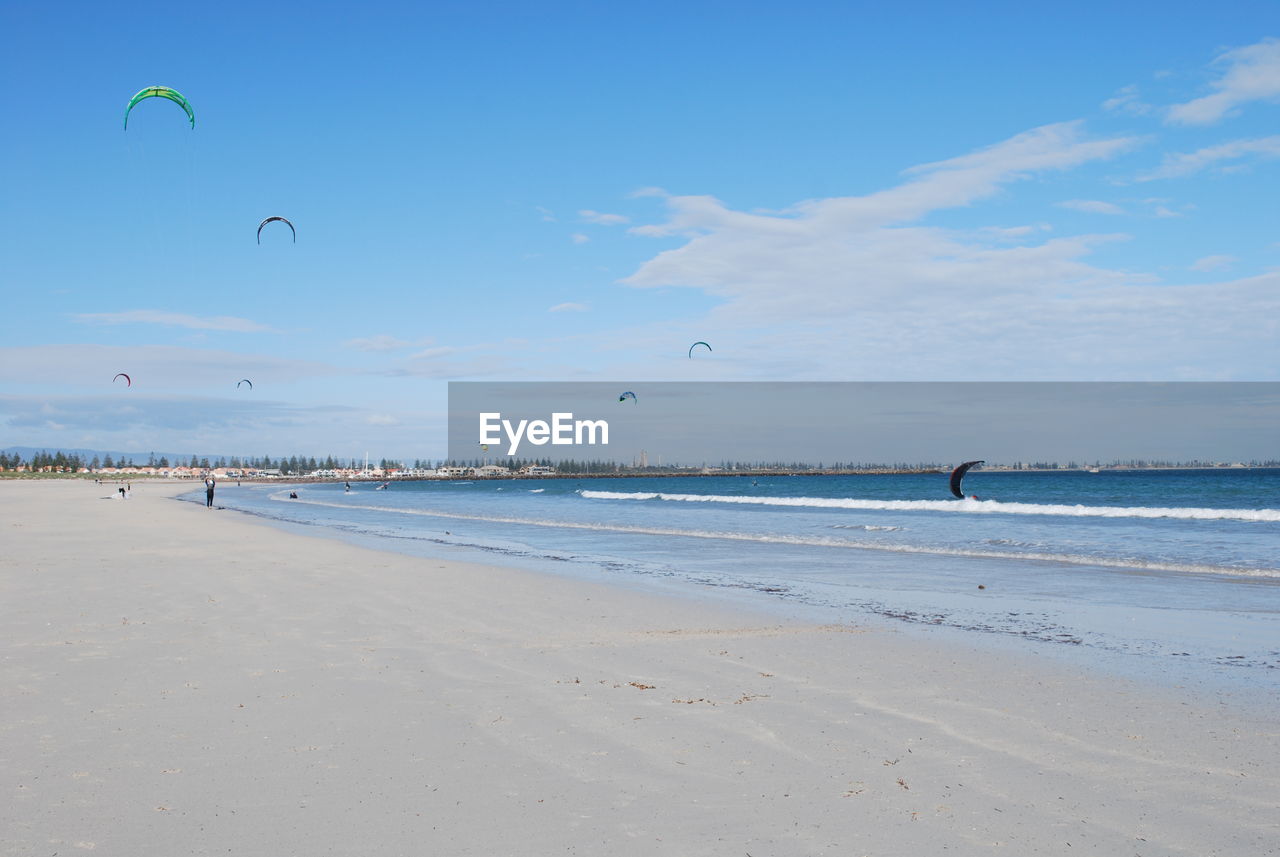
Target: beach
x,y
180,680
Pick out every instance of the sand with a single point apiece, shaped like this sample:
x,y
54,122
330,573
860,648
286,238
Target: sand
x,y
178,680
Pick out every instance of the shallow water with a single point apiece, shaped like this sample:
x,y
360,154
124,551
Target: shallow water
x,y
1175,573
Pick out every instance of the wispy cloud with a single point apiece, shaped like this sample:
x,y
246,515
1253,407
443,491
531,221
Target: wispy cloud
x,y
853,285
177,424
152,367
835,242
1179,164
1213,263
1251,73
1127,101
174,319
579,238
569,306
1091,206
432,353
545,214
603,219
384,342
945,184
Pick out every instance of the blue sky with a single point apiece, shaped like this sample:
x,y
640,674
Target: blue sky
x,y
577,191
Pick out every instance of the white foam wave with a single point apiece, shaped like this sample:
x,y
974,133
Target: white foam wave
x,y
812,541
966,506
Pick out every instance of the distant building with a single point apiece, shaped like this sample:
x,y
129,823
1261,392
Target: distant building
x,y
538,470
453,472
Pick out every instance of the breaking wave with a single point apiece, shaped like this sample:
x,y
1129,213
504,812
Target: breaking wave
x,y
809,541
964,507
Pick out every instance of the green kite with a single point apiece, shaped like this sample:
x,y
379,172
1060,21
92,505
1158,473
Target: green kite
x,y
161,92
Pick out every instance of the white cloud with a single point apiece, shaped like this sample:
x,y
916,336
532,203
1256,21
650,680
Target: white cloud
x,y
1014,233
579,238
1252,73
382,420
1213,263
432,353
1181,164
152,367
383,342
846,243
1127,101
850,287
174,319
945,184
545,214
568,307
1091,206
603,219
648,191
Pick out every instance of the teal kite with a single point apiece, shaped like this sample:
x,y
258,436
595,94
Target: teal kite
x,y
628,395
695,345
161,92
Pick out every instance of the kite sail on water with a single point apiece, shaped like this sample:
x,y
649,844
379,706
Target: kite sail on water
x,y
957,476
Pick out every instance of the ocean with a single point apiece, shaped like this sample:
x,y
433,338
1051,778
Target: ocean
x,y
1166,573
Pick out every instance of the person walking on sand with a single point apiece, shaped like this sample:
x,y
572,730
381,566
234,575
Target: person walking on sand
x,y
209,483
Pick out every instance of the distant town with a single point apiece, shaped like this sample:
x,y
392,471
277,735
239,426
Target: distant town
x,y
299,468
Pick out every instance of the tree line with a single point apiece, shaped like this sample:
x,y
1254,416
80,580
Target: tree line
x,y
295,465
290,465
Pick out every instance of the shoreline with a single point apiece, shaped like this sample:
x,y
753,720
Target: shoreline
x,y
741,473
195,681
1237,660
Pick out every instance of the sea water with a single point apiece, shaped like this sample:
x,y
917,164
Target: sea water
x,y
1172,568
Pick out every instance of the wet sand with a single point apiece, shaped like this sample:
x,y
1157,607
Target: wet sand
x,y
180,680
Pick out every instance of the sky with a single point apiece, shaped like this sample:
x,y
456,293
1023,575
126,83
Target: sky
x,y
577,191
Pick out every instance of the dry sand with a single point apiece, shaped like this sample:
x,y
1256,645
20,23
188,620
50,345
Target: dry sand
x,y
179,680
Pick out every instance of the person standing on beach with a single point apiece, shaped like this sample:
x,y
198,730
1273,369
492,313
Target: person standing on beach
x,y
208,491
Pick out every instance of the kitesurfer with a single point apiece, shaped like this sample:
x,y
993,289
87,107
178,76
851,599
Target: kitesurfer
x,y
957,476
